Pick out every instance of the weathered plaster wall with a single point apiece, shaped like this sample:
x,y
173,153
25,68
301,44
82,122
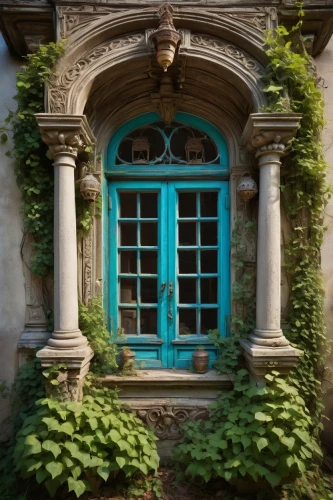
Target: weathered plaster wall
x,y
325,70
12,294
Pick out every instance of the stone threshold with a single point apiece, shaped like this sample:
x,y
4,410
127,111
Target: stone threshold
x,y
170,377
169,383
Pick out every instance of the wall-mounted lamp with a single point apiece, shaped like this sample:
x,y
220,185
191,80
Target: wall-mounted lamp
x,y
90,188
166,38
247,187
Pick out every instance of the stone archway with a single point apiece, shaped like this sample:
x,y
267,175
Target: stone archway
x,y
109,73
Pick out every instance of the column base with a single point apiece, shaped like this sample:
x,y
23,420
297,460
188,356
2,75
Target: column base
x,y
77,362
261,360
67,339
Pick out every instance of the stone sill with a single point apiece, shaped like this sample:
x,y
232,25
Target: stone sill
x,y
170,378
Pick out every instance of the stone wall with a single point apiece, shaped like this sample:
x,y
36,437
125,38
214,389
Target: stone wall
x,y
12,296
325,70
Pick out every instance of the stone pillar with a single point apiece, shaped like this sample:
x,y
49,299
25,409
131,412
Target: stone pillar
x,y
65,135
267,348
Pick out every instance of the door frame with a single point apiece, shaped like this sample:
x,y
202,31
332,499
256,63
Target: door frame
x,y
116,173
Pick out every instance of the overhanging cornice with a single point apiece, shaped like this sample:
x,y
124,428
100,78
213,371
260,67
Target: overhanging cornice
x,y
26,23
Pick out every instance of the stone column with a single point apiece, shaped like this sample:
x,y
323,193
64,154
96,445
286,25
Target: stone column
x,y
65,135
266,348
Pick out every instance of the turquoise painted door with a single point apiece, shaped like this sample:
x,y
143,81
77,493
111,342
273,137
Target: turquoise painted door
x,y
168,267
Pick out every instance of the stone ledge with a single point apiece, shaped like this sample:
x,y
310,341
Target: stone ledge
x,y
171,378
169,384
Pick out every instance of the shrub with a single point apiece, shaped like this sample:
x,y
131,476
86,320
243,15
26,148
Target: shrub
x,y
252,433
82,444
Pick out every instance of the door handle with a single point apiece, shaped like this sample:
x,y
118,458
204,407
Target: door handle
x,y
170,298
163,287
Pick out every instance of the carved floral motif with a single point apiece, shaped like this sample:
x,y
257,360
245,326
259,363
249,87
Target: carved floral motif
x,y
167,419
87,267
59,87
228,49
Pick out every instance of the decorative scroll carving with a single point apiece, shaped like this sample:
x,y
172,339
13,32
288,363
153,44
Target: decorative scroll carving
x,y
259,18
58,141
87,267
166,420
229,50
36,299
72,19
59,87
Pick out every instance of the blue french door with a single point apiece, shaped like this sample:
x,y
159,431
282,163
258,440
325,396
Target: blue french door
x,y
168,267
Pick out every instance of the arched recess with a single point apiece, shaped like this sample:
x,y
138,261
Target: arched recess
x,y
108,71
150,195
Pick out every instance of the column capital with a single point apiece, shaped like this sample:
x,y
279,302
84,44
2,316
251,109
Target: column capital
x,y
271,130
64,134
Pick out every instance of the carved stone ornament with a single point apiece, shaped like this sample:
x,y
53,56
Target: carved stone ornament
x,y
58,89
166,100
229,50
166,38
166,420
62,142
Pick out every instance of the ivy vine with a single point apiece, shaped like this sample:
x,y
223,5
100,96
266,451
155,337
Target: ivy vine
x,y
33,167
292,88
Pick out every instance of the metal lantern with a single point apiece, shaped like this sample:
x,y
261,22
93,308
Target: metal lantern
x,y
247,187
140,151
195,151
90,188
166,38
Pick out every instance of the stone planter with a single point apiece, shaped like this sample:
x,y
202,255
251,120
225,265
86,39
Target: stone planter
x,y
200,359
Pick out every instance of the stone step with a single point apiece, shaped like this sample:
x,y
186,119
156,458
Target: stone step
x,y
165,399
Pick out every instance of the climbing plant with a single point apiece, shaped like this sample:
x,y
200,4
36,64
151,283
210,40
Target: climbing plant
x,y
242,320
292,87
33,167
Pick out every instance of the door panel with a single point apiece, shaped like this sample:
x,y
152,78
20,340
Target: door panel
x,y
198,266
138,260
169,267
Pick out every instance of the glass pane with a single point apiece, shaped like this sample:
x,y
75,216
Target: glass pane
x,y
208,233
208,204
128,261
128,291
187,290
208,290
148,322
149,291
208,261
187,261
149,234
208,320
148,205
187,204
128,205
128,319
128,234
148,262
187,321
187,233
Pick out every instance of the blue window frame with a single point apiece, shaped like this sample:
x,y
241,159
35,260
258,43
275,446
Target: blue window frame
x,y
167,255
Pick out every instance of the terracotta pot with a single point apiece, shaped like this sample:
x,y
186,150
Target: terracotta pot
x,y
200,359
127,359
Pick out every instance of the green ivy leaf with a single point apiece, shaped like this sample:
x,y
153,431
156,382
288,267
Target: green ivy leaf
x,y
51,446
54,468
